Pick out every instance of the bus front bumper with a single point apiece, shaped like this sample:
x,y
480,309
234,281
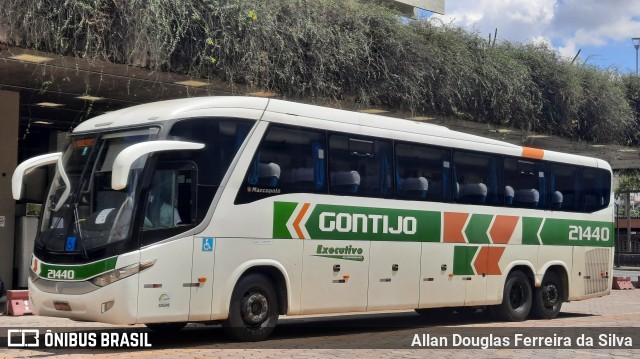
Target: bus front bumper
x,y
115,303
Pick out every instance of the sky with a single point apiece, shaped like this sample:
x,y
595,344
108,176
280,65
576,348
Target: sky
x,y
602,29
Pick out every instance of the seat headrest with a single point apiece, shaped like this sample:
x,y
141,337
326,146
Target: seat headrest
x,y
508,191
556,197
528,195
342,178
269,170
473,189
415,184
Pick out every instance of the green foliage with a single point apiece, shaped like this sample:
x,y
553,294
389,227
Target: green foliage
x,y
354,50
628,181
632,92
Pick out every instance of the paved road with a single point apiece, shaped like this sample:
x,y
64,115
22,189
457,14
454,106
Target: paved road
x,y
335,337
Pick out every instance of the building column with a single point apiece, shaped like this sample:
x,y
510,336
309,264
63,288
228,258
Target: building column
x,y
9,122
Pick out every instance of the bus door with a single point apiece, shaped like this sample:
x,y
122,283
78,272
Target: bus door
x,y
439,284
475,279
169,210
394,275
335,276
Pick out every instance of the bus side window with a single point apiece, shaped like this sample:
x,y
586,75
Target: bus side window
x,y
525,183
477,178
565,186
223,138
289,160
422,172
360,166
597,187
170,200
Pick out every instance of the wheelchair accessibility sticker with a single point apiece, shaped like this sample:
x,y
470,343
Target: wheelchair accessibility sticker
x,y
207,244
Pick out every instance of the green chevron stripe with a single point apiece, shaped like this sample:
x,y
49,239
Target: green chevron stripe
x,y
567,232
361,223
282,211
477,228
577,233
462,257
530,228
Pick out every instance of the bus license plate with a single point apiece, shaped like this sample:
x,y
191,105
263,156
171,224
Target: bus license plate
x,y
63,306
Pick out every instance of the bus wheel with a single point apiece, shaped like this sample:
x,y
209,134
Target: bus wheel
x,y
516,298
547,299
166,327
253,312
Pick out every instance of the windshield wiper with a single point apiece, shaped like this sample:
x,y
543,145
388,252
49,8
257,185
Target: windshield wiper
x,y
67,188
85,255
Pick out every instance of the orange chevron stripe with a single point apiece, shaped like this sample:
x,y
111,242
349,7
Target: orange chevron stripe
x,y
502,229
453,225
296,223
487,260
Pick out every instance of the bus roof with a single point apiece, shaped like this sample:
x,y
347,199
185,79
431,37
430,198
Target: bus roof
x,y
167,110
180,108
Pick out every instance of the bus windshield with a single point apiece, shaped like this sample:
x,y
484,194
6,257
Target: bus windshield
x,y
82,212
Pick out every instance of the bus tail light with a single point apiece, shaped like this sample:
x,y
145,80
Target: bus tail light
x,y
121,273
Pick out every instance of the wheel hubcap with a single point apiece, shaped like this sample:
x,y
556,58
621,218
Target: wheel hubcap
x,y
255,308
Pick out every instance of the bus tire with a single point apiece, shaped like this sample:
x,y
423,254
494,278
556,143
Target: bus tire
x,y
253,312
166,327
547,299
516,298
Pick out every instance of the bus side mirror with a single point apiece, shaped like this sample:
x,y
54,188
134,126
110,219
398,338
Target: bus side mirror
x,y
28,166
125,159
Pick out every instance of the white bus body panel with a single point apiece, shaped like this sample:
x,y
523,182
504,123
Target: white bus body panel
x,y
172,270
325,290
438,287
202,278
389,288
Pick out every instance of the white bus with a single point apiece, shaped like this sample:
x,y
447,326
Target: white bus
x,y
238,210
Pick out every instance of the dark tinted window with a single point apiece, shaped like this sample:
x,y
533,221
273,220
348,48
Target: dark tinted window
x,y
525,184
289,160
477,178
565,185
597,189
360,166
222,138
423,172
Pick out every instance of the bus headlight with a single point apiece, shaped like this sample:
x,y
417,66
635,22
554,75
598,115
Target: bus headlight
x,y
121,273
